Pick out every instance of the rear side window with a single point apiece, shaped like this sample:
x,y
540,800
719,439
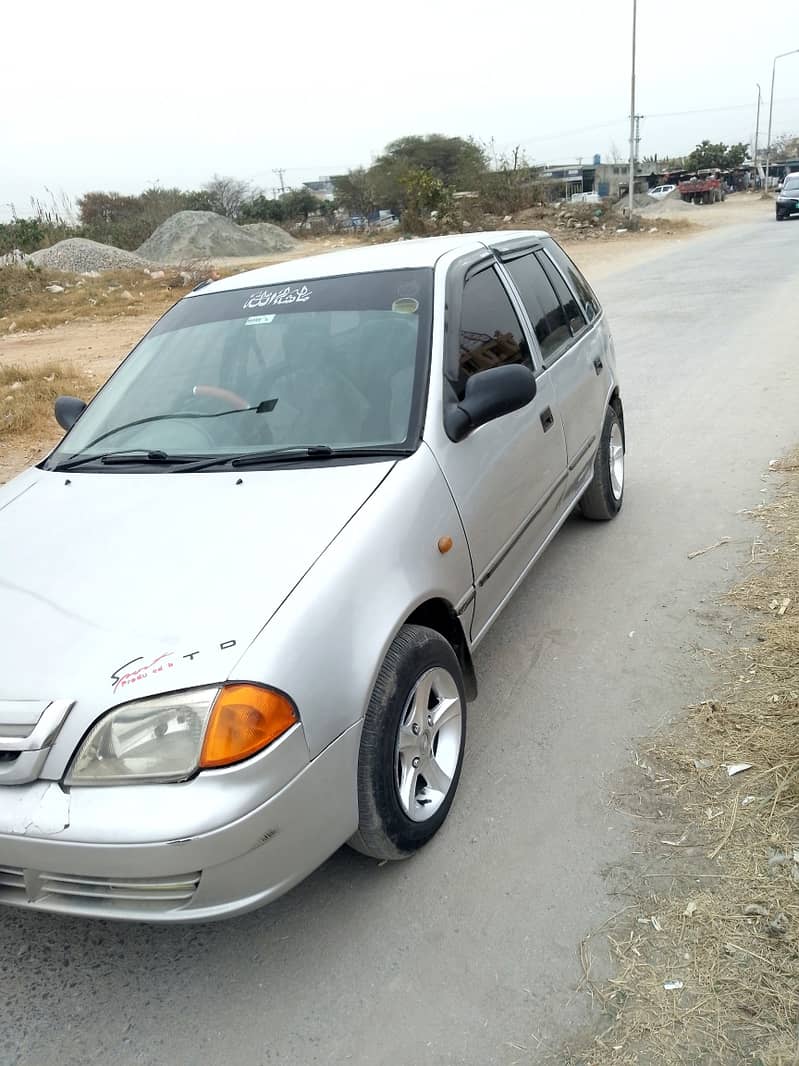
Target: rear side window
x,y
542,305
490,331
574,313
585,294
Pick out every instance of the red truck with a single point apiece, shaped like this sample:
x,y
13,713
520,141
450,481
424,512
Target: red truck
x,y
702,188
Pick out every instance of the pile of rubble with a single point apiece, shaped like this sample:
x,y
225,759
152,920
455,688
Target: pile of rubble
x,y
190,235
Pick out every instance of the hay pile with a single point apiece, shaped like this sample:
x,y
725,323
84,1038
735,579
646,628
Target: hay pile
x,y
707,960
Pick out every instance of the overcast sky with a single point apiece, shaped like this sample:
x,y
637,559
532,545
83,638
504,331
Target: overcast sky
x,y
117,97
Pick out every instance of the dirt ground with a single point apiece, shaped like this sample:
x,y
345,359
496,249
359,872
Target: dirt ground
x,y
96,347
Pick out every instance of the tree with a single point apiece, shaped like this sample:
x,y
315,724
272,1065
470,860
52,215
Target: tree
x,y
355,192
706,156
663,164
452,160
784,147
614,155
299,203
261,209
227,195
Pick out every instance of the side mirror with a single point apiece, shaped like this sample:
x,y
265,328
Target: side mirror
x,y
68,410
489,395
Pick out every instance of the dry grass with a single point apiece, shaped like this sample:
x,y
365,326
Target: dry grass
x,y
25,303
727,926
27,397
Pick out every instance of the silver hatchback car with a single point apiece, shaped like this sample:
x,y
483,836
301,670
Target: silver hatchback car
x,y
239,601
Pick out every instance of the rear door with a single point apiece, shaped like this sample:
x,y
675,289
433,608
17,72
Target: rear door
x,y
564,313
507,477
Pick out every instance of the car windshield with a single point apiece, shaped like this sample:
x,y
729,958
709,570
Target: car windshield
x,y
791,184
333,361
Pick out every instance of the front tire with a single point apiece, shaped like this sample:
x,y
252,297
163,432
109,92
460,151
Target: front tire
x,y
411,746
603,498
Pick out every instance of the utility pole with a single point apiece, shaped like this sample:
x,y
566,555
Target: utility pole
x,y
782,55
280,171
632,116
637,135
757,128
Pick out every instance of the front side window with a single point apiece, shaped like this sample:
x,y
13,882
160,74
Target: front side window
x,y
490,332
331,361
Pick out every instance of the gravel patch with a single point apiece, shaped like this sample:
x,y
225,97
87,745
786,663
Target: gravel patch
x,y
273,238
82,256
190,235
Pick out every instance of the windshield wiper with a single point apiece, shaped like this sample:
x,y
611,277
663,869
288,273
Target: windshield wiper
x,y
260,408
299,454
138,456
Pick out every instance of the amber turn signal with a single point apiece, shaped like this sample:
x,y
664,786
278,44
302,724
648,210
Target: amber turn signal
x,y
244,719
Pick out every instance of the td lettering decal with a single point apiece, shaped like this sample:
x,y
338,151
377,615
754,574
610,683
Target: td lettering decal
x,y
138,670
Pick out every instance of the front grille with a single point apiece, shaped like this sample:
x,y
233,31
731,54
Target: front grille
x,y
11,877
75,893
28,729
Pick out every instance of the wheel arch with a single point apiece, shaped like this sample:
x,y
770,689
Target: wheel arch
x,y
439,614
614,401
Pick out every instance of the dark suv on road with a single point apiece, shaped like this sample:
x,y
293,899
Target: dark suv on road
x,y
788,198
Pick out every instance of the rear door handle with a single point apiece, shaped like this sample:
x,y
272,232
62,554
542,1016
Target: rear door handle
x,y
547,419
598,365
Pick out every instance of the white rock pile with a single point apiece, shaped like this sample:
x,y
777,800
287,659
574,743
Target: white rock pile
x,y
82,256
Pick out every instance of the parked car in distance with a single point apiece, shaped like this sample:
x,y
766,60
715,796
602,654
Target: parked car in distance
x,y
787,202
585,198
660,192
239,601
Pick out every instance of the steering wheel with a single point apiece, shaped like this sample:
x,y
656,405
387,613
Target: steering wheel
x,y
233,398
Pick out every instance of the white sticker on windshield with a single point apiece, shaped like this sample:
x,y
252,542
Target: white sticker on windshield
x,y
259,320
288,295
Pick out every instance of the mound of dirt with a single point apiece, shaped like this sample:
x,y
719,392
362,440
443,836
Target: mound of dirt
x,y
82,256
671,206
274,238
202,235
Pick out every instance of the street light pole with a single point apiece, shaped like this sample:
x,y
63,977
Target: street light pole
x,y
782,55
632,117
757,127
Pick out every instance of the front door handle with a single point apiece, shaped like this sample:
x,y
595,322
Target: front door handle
x,y
547,419
598,365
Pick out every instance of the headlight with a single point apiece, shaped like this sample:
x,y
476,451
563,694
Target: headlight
x,y
168,738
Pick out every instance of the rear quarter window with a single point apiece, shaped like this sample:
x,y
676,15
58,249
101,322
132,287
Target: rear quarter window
x,y
585,294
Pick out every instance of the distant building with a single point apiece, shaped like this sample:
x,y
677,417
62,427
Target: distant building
x,y
324,189
613,180
605,179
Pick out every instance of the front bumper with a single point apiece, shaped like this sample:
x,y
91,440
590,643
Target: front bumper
x,y
786,208
215,874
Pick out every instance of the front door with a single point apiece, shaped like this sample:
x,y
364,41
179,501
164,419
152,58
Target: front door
x,y
508,477
571,342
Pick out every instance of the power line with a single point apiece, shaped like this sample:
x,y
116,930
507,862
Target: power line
x,y
536,138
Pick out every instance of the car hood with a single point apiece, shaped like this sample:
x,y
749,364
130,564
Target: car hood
x,y
109,582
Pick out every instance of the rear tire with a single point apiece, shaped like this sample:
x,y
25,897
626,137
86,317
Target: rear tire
x,y
411,746
603,498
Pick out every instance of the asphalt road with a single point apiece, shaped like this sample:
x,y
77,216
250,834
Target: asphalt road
x,y
468,953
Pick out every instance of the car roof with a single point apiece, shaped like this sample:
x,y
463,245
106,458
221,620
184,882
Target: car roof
x,y
394,255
